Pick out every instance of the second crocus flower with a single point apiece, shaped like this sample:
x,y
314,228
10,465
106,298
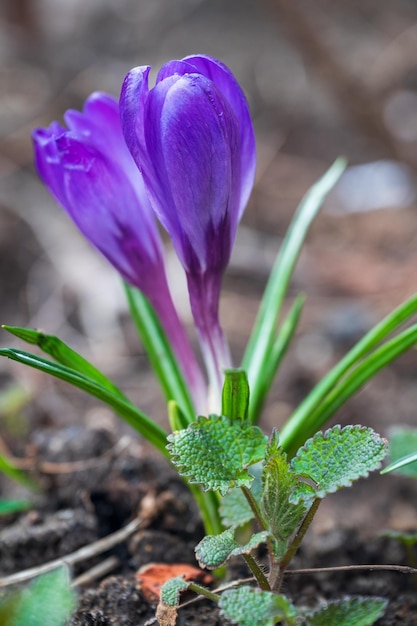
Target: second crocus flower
x,y
88,168
191,136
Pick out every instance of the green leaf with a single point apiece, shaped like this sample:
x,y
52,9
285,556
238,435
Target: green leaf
x,y
14,506
48,601
349,612
234,507
123,407
171,590
277,353
62,354
215,452
259,347
214,550
9,469
339,456
403,451
250,607
159,351
311,414
279,485
235,395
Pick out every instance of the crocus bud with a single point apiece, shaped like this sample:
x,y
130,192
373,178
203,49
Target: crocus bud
x,y
88,168
192,138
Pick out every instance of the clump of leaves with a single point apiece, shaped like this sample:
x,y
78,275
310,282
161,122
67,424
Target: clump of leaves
x,y
259,484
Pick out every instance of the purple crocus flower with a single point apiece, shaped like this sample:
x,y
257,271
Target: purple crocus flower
x,y
192,138
88,168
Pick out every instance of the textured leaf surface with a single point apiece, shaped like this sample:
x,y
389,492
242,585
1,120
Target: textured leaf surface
x,y
234,508
349,612
215,452
48,601
279,485
250,607
171,590
214,550
403,442
337,457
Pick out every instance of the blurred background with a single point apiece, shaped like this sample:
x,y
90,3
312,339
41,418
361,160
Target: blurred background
x,y
323,79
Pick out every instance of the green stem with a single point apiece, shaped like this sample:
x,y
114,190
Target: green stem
x,y
202,591
257,572
295,544
262,523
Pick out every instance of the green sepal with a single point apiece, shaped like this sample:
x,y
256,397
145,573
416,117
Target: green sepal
x,y
235,395
246,606
358,611
336,458
215,452
214,550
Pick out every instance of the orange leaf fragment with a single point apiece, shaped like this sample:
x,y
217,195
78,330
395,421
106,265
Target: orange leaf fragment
x,y
152,576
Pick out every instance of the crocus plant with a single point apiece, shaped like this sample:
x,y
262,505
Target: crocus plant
x,y
182,153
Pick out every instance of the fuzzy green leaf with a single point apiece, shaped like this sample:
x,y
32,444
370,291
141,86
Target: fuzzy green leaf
x,y
349,612
337,457
250,607
171,590
279,485
215,452
214,550
235,395
402,447
48,601
234,508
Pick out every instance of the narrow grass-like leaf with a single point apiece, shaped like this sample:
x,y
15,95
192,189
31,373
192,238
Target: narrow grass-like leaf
x,y
246,606
215,452
349,612
402,451
340,383
403,463
214,550
337,457
159,351
263,335
122,406
278,351
14,506
235,395
63,354
9,469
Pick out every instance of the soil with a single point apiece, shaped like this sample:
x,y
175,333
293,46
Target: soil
x,y
358,264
